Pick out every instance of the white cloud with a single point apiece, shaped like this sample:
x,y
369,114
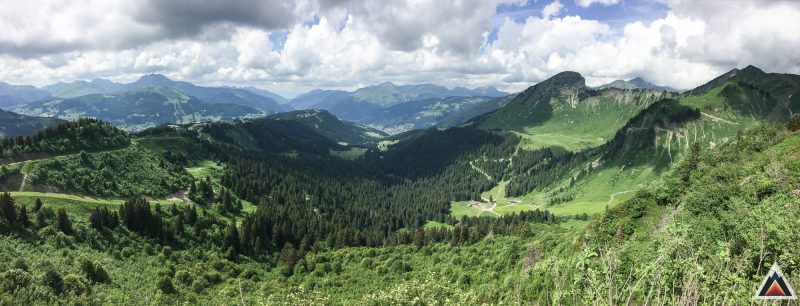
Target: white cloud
x,y
365,42
552,9
588,3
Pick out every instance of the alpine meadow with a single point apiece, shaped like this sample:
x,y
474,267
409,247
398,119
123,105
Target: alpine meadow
x,y
472,152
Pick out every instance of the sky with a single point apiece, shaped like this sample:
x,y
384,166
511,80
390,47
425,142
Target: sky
x,y
290,47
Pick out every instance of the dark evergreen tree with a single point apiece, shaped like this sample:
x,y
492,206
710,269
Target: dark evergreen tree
x,y
37,205
231,239
22,218
7,209
62,222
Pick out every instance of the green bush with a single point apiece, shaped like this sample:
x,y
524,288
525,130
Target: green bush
x,y
15,279
51,278
165,285
94,271
76,285
184,278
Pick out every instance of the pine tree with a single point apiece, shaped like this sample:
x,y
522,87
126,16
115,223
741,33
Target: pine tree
x,y
62,222
232,237
226,202
7,209
191,215
23,219
288,256
419,238
691,163
178,224
37,205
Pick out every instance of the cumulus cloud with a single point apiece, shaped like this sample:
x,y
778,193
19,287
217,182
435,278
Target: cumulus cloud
x,y
348,43
552,9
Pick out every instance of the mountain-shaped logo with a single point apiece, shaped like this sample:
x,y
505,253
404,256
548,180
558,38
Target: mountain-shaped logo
x,y
775,286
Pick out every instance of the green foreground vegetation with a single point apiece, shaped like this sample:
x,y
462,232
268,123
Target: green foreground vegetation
x,y
682,201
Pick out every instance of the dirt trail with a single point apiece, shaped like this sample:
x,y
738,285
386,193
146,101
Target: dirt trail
x,y
179,196
715,118
488,177
611,198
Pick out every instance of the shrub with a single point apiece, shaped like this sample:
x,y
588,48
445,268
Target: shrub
x,y
183,277
19,263
14,279
165,285
51,278
76,285
794,123
94,271
199,285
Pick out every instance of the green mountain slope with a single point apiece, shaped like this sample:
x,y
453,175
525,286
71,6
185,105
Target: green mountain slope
x,y
643,147
388,94
12,124
271,136
343,132
136,110
749,92
562,112
424,113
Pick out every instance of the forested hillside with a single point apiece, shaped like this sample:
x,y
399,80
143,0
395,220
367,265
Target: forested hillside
x,y
82,134
12,125
670,199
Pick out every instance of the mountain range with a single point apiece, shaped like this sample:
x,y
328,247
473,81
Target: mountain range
x,y
15,95
258,99
397,108
138,109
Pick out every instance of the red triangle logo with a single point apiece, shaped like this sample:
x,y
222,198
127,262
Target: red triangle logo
x,y
775,286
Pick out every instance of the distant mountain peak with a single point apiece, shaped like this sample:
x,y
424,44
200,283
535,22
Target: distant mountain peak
x,y
566,79
752,71
635,83
154,78
386,84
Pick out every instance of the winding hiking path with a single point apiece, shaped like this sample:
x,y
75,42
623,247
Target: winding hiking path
x,y
611,198
488,177
715,118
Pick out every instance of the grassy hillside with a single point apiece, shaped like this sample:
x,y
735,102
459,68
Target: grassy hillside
x,y
645,146
562,112
122,173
